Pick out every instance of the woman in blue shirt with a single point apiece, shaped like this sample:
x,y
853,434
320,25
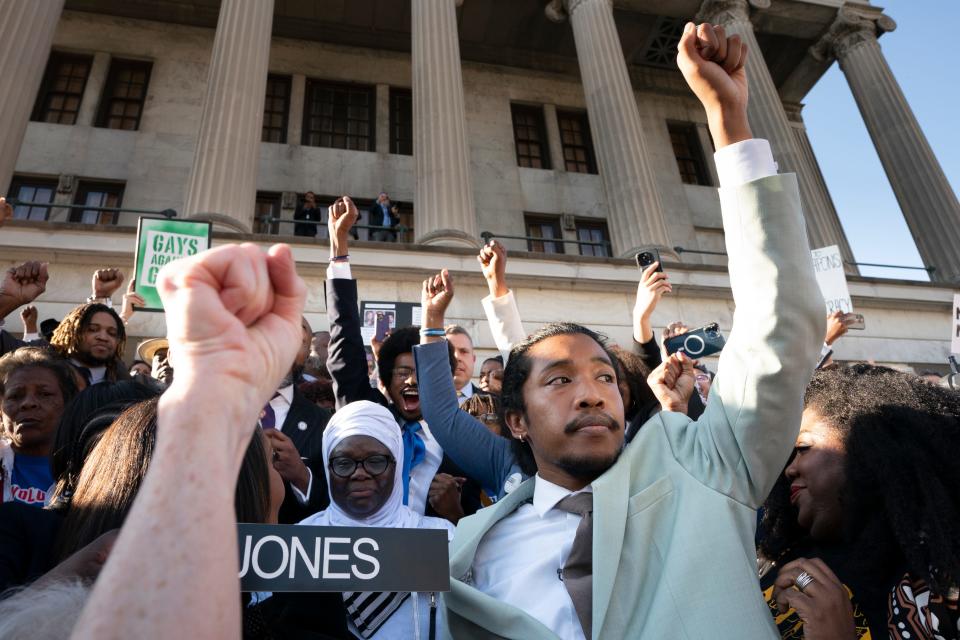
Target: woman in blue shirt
x,y
35,385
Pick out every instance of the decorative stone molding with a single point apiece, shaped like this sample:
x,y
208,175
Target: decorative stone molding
x,y
727,11
560,10
852,27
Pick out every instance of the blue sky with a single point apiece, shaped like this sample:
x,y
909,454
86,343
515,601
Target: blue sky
x,y
921,52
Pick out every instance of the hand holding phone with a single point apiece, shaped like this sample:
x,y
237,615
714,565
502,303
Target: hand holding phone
x,y
854,321
647,258
698,343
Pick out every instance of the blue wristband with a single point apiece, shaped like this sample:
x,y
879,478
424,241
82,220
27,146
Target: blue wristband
x,y
433,333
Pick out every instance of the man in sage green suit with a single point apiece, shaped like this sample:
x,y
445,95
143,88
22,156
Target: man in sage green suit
x,y
674,515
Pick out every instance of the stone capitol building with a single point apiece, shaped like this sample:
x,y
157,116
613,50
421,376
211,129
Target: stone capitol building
x,y
561,127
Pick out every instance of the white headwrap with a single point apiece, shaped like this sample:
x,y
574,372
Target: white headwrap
x,y
364,418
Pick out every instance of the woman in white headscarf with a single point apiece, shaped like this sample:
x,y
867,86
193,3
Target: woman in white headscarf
x,y
363,460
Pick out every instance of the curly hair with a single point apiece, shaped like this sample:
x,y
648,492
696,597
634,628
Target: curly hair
x,y
397,343
68,337
902,492
518,369
635,373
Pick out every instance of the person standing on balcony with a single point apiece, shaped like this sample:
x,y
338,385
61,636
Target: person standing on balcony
x,y
384,213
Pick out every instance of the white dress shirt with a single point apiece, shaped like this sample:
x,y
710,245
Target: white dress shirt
x,y
467,392
422,475
281,407
97,374
519,560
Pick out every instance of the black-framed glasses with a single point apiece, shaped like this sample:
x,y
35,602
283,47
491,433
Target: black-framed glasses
x,y
344,467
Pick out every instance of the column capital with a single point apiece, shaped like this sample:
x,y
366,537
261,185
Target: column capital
x,y
727,11
852,26
560,10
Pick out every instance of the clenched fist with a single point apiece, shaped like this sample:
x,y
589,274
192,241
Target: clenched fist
x,y
233,322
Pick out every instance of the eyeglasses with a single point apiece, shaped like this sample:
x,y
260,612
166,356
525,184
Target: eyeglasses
x,y
402,373
344,467
702,377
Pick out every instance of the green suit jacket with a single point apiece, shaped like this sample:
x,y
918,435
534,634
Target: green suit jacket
x,y
675,517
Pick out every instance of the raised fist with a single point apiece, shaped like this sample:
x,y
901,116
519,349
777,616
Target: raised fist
x,y
106,281
23,284
493,263
29,317
233,322
436,296
713,66
341,216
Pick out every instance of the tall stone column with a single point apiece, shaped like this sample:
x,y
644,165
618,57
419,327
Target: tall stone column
x,y
443,199
634,211
223,180
769,121
928,202
26,35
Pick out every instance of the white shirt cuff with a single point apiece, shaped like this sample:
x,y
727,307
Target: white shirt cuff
x,y
744,162
339,270
30,337
304,498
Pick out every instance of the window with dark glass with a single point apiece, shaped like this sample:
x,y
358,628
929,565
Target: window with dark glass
x,y
97,194
595,233
530,136
124,94
540,231
62,88
267,208
276,109
576,142
689,154
339,116
401,121
42,190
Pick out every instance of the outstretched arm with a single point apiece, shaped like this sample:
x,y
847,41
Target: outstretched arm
x,y
346,357
744,437
174,566
503,316
483,456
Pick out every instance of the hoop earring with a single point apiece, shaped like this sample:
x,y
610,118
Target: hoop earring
x,y
521,438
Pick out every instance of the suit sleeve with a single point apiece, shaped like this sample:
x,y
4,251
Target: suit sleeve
x,y
503,316
483,456
10,343
743,439
346,358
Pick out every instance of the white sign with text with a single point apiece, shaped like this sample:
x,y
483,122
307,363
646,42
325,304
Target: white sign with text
x,y
828,266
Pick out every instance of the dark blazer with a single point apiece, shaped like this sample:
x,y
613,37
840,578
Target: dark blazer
x,y
347,364
27,536
375,215
309,443
313,215
10,343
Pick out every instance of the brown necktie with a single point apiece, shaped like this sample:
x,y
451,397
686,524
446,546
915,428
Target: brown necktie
x,y
578,570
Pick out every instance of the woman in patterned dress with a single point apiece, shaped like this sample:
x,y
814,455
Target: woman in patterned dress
x,y
866,515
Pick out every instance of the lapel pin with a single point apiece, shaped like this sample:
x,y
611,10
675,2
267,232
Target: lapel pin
x,y
302,425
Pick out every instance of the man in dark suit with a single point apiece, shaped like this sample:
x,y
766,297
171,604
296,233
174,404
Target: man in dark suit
x,y
309,212
433,483
384,213
294,426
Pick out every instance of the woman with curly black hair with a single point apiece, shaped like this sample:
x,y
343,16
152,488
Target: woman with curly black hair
x,y
864,523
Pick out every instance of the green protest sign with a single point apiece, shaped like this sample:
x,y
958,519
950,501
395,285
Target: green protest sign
x,y
160,241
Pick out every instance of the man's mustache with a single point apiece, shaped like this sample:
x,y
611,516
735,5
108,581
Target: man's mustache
x,y
592,419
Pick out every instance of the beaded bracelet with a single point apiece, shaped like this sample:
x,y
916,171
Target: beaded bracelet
x,y
344,258
432,333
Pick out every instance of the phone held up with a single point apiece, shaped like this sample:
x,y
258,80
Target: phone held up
x,y
854,321
647,258
698,343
